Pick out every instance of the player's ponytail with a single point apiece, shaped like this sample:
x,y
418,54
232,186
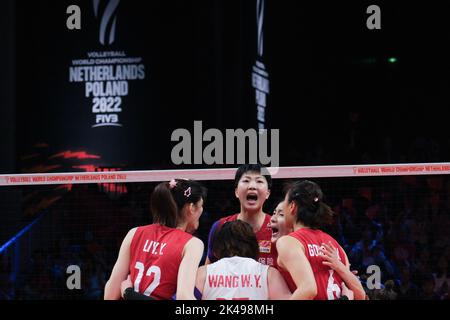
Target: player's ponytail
x,y
163,207
311,210
168,199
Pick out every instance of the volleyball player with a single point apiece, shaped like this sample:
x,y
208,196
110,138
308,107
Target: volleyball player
x,y
237,275
316,263
162,258
252,187
278,223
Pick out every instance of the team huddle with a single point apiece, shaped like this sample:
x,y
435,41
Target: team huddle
x,y
250,256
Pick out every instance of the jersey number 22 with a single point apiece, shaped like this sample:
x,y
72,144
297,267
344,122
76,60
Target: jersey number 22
x,y
155,283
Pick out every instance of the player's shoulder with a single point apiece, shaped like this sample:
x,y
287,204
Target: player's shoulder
x,y
130,238
291,240
195,240
144,228
194,243
309,234
132,232
229,218
181,235
285,241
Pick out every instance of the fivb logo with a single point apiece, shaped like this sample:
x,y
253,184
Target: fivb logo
x,y
108,20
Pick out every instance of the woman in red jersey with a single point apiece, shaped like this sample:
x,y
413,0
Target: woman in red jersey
x,y
316,262
162,258
252,184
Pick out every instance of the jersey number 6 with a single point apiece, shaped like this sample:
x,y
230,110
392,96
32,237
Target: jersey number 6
x,y
333,290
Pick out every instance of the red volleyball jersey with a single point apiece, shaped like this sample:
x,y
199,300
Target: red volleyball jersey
x,y
329,283
156,253
267,251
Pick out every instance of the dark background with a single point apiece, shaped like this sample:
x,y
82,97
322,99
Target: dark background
x,y
321,58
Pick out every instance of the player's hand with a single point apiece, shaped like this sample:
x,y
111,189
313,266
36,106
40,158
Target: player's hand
x,y
125,285
331,257
355,272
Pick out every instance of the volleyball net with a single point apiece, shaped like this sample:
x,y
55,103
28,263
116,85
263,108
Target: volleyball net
x,y
392,216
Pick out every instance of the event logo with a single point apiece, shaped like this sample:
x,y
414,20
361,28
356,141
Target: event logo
x,y
108,20
107,75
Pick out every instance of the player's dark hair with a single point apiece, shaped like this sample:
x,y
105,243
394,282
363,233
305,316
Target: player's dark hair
x,y
236,238
257,168
169,198
311,210
275,204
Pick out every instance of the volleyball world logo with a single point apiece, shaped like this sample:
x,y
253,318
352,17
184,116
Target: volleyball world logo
x,y
106,11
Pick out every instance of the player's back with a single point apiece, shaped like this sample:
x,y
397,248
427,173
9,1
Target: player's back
x,y
156,254
329,283
236,278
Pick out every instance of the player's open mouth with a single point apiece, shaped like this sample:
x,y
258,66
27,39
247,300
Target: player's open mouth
x,y
274,231
252,198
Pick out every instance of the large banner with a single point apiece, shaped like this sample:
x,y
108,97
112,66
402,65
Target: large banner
x,y
87,90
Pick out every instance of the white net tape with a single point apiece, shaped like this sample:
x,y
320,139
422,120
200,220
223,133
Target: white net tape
x,y
224,174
